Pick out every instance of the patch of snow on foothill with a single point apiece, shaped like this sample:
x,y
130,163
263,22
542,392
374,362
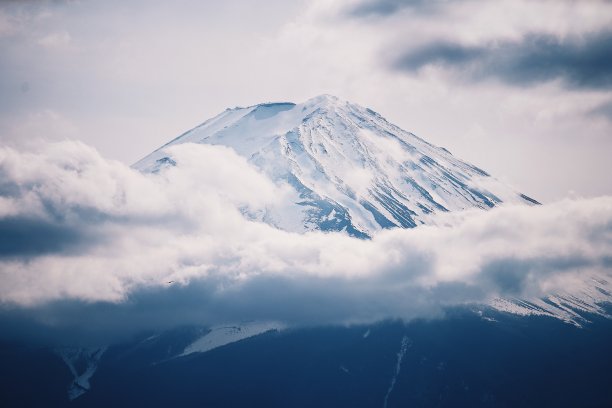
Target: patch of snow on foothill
x,y
83,363
219,336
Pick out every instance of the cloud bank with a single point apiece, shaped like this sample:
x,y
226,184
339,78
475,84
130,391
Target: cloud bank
x,y
87,239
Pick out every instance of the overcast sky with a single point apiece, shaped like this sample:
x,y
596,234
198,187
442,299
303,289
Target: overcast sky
x,y
522,89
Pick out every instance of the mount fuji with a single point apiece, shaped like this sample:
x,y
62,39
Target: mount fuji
x,y
349,168
346,169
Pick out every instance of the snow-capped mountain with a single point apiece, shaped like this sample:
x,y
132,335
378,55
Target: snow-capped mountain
x,y
351,170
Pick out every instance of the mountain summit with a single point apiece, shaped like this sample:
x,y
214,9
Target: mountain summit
x,y
350,168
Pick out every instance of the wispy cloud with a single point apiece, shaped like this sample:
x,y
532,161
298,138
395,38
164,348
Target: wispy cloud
x,y
381,8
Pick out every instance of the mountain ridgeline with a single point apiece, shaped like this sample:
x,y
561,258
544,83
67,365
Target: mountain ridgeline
x,y
350,169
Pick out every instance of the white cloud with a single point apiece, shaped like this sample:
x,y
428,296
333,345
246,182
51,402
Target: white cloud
x,y
107,233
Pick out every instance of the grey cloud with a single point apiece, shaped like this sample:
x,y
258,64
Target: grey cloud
x,y
298,301
21,237
7,187
31,235
507,275
510,276
604,110
383,8
446,54
584,62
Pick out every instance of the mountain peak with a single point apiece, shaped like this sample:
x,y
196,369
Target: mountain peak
x,y
318,101
351,170
325,99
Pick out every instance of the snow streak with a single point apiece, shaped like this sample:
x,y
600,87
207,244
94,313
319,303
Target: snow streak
x,y
400,355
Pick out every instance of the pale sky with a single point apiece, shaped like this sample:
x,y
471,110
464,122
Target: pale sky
x,y
522,89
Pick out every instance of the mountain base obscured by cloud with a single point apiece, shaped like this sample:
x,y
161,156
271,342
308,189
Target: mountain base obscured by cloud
x,y
84,239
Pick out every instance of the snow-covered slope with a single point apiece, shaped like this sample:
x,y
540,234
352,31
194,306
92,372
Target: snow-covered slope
x,y
583,299
351,169
226,334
